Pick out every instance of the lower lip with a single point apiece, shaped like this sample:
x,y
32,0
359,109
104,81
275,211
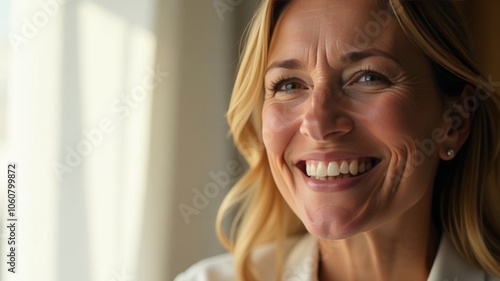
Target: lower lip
x,y
335,185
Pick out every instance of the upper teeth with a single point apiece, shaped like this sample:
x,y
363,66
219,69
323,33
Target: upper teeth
x,y
322,169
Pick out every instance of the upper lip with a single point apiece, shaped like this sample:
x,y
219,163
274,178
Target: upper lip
x,y
332,156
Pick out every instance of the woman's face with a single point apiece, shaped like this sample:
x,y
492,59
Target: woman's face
x,y
349,113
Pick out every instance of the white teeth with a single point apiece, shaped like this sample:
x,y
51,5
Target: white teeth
x,y
343,169
321,170
353,167
333,169
361,167
313,170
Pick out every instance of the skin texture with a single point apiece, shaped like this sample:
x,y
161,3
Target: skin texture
x,y
339,88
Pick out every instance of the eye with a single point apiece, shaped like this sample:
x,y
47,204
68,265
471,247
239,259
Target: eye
x,y
371,78
287,85
290,86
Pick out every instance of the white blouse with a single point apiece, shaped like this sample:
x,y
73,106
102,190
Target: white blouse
x,y
302,264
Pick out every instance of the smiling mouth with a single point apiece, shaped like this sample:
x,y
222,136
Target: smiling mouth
x,y
333,170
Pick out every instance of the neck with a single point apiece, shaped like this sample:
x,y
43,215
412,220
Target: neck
x,y
401,250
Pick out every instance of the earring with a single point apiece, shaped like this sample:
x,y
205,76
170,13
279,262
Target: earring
x,y
450,153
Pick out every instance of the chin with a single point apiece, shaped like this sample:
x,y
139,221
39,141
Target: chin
x,y
329,232
332,224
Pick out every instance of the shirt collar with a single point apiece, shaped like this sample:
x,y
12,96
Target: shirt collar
x,y
302,262
449,265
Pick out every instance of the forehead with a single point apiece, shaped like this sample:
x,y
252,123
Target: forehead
x,y
331,27
305,11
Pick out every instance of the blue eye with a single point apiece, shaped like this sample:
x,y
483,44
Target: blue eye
x,y
287,85
368,78
372,79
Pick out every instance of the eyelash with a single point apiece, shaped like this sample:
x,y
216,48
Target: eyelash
x,y
278,83
368,70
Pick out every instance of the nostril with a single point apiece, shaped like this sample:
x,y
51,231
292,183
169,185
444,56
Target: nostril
x,y
320,125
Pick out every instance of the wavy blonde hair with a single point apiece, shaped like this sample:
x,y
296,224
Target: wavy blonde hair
x,y
466,188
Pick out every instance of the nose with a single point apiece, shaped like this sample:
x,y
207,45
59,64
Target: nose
x,y
325,118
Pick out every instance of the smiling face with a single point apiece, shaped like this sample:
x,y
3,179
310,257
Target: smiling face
x,y
349,103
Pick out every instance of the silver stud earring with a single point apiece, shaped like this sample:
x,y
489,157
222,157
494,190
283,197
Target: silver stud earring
x,y
450,153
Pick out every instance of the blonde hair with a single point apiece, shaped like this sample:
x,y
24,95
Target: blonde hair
x,y
465,190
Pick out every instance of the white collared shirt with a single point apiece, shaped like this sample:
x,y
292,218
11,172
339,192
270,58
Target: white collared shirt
x,y
302,263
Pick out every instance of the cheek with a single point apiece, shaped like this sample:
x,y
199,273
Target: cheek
x,y
279,124
405,125
400,120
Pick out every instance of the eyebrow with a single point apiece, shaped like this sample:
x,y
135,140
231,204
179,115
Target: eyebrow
x,y
357,56
347,58
287,64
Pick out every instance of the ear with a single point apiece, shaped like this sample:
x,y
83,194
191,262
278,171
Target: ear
x,y
458,121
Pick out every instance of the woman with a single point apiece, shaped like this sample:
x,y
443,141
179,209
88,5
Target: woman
x,y
373,148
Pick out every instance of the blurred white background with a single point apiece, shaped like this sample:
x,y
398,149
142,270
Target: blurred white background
x,y
114,112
